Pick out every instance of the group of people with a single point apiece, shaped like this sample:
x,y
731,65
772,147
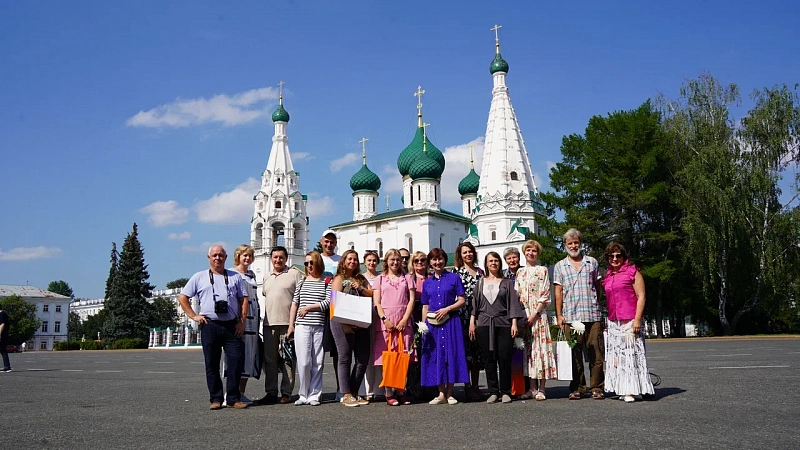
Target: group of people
x,y
470,319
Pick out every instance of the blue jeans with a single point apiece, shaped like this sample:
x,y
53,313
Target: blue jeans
x,y
6,362
216,336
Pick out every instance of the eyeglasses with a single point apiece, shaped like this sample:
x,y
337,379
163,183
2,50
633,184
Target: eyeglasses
x,y
615,256
420,261
308,263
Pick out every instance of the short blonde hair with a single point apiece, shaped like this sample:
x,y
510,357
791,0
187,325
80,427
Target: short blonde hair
x,y
417,255
241,250
531,243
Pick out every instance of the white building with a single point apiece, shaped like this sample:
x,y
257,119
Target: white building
x,y
280,209
87,307
51,309
500,206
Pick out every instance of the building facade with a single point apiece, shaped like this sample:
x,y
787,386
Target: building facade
x,y
52,310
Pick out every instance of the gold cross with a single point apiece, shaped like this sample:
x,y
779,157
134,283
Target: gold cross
x,y
471,158
496,37
280,92
363,143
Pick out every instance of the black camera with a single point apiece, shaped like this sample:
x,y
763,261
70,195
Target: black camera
x,y
220,307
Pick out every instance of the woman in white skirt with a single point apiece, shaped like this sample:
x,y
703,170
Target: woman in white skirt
x,y
242,258
626,365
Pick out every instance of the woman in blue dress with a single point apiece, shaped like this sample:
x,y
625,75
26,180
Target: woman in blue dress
x,y
443,358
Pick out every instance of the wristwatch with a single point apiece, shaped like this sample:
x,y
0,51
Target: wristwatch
x,y
383,318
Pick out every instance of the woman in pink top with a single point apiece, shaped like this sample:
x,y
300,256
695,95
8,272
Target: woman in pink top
x,y
393,295
626,365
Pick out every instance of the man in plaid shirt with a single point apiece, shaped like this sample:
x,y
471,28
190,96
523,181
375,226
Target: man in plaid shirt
x,y
576,280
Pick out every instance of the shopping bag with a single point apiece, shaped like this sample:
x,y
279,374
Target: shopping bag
x,y
563,356
351,309
518,372
395,364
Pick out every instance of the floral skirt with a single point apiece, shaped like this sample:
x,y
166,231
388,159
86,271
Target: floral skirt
x,y
541,363
626,365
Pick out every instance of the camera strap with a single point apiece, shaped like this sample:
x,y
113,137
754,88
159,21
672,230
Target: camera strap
x,y
211,276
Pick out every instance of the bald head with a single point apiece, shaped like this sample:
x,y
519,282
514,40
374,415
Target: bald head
x,y
216,258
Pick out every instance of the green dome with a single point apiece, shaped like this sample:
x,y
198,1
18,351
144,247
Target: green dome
x,y
469,185
498,64
414,151
280,115
365,180
425,167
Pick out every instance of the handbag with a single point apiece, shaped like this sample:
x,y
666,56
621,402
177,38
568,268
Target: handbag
x,y
395,364
563,355
434,321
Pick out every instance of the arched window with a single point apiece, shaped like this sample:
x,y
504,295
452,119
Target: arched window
x,y
514,176
297,206
358,204
380,249
258,240
411,194
441,240
279,179
373,204
494,235
435,194
277,204
419,192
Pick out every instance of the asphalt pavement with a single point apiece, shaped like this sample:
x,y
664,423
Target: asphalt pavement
x,y
714,394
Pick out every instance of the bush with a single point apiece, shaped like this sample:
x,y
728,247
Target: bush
x,y
128,344
68,345
92,345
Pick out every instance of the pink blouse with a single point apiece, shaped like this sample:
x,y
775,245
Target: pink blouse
x,y
621,299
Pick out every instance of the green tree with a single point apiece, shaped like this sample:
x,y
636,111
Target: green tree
x,y
112,271
318,248
60,287
93,326
128,310
74,327
22,317
613,185
163,313
177,284
739,230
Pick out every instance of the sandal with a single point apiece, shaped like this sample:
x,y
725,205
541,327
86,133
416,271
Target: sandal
x,y
404,400
540,396
438,401
392,401
575,395
526,396
597,395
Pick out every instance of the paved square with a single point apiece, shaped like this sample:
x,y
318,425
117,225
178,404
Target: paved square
x,y
714,394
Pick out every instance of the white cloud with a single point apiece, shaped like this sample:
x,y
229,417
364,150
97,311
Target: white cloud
x,y
185,236
229,110
318,207
29,253
165,213
344,161
391,181
203,248
234,206
456,168
302,156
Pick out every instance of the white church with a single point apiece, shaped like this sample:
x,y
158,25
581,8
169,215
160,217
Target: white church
x,y
499,207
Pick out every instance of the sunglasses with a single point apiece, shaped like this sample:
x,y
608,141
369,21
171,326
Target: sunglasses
x,y
615,256
420,261
308,263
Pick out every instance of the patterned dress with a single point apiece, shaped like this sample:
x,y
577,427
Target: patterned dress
x,y
533,286
473,350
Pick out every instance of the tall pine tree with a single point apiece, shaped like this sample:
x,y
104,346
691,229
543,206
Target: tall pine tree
x,y
112,272
126,304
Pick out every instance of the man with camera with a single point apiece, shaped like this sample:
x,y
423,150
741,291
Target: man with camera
x,y
222,295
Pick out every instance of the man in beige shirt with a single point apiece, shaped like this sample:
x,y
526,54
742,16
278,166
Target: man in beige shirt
x,y
278,290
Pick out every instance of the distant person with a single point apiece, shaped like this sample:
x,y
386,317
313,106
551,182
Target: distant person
x,y
242,259
533,287
5,323
626,364
352,342
576,281
277,291
443,357
469,272
309,309
511,257
224,305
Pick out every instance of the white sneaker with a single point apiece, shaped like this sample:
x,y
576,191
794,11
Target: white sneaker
x,y
314,403
299,402
629,399
245,400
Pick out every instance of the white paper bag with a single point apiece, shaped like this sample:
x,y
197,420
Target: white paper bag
x,y
563,360
351,309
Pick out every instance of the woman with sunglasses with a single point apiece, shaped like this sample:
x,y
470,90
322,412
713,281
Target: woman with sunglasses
x,y
351,341
533,286
307,322
626,365
443,357
394,301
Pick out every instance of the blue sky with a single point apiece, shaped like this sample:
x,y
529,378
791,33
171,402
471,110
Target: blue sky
x,y
158,112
